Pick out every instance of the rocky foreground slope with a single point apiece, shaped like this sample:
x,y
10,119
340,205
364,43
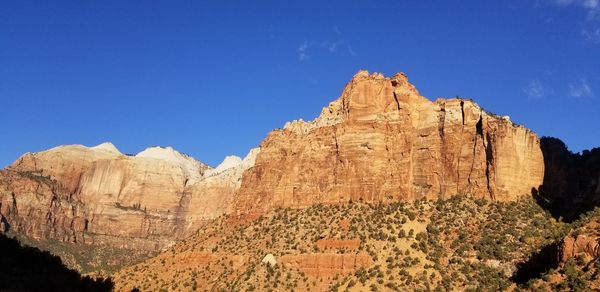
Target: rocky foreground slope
x,y
98,195
381,141
454,244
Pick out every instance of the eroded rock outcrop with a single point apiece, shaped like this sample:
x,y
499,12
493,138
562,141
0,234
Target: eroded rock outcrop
x,y
327,264
584,242
98,195
382,141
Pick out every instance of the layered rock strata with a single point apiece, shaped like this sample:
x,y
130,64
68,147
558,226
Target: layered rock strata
x,y
98,195
382,141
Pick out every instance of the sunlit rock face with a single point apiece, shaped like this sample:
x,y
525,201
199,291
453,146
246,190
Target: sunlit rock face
x,y
98,195
383,141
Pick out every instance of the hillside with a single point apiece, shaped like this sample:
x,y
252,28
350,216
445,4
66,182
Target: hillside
x,y
385,190
454,244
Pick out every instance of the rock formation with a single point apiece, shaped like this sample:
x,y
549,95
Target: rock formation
x,y
98,195
585,242
382,141
327,264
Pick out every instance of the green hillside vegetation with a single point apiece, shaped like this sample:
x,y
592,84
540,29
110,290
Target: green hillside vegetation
x,y
455,244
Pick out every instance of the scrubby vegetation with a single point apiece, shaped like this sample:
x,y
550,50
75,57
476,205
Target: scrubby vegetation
x,y
96,259
578,273
454,244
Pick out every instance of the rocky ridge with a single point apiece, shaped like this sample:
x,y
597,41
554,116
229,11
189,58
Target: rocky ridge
x,y
98,195
381,141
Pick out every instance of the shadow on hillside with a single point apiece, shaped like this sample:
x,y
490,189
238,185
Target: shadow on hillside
x,y
538,264
24,268
571,180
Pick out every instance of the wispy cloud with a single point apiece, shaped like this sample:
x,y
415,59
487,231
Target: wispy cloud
x,y
580,88
331,45
302,54
590,24
535,90
591,35
351,51
336,30
592,7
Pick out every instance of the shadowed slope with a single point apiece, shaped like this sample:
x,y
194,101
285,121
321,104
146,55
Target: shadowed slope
x,y
24,268
571,180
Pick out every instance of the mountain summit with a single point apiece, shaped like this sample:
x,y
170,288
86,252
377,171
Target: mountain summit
x,y
382,141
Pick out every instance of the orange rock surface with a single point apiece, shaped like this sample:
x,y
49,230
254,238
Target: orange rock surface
x,y
327,264
586,243
383,141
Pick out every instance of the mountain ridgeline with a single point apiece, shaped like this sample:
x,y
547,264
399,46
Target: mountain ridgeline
x,y
379,144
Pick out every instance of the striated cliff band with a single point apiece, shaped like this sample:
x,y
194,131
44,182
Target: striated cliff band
x,y
97,195
381,141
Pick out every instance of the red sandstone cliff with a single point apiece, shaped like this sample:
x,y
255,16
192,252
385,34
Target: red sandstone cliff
x,y
382,141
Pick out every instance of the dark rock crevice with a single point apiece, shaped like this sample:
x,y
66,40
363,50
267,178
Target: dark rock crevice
x,y
462,111
443,150
442,121
397,102
478,135
489,164
15,210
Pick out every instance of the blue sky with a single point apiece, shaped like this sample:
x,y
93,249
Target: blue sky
x,y
212,78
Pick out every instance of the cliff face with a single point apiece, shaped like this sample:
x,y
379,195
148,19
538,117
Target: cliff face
x,y
98,195
382,141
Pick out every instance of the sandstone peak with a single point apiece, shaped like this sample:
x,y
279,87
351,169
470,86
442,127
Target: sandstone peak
x,y
107,146
250,157
192,168
366,97
73,153
361,74
381,140
229,162
234,162
165,153
398,79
